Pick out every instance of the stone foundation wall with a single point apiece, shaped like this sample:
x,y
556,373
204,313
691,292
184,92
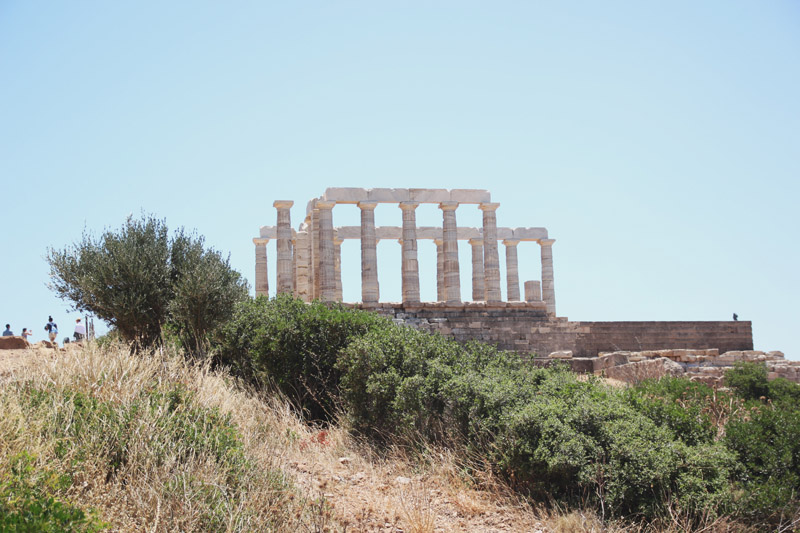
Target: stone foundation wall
x,y
527,327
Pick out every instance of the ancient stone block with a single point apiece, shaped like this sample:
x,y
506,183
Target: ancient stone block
x,y
470,196
388,195
345,195
434,196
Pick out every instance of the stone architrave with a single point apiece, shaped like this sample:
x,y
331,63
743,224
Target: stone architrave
x,y
262,282
533,291
440,294
337,243
370,290
410,267
478,281
548,285
512,270
327,278
284,245
452,279
491,260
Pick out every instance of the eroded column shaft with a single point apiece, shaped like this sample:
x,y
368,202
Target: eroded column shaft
x,y
370,291
548,285
512,270
327,278
452,275
478,282
284,271
491,260
439,270
262,282
410,268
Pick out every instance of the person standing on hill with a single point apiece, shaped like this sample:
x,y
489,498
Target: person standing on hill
x,y
80,331
52,329
8,332
26,333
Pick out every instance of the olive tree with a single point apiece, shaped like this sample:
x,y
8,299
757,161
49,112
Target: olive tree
x,y
139,279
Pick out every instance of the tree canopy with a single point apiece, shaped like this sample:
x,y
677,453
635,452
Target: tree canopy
x,y
139,279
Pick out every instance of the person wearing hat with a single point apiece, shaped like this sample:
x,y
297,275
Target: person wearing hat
x,y
80,331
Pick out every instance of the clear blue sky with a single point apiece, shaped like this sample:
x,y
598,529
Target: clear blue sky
x,y
658,142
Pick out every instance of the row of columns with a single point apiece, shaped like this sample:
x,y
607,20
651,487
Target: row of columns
x,y
315,257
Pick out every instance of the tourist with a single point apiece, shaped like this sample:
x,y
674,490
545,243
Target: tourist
x,y
8,332
52,330
80,331
26,333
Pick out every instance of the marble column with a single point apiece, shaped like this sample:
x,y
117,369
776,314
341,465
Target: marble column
x,y
533,291
548,286
284,269
294,268
491,260
452,275
327,278
478,282
262,283
337,264
315,265
410,262
370,290
439,269
302,255
512,270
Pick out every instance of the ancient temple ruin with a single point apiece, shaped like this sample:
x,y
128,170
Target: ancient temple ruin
x,y
309,258
309,267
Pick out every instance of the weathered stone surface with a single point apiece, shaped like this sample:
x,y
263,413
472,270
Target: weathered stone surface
x,y
429,195
13,343
470,196
562,354
388,195
345,195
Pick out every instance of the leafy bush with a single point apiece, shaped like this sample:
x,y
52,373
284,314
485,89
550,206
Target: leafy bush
x,y
139,280
551,435
677,404
294,345
748,380
767,445
28,502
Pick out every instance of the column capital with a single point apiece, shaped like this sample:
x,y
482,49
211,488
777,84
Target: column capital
x,y
476,242
337,241
260,240
408,205
282,204
324,204
546,242
367,205
511,242
448,206
489,206
438,242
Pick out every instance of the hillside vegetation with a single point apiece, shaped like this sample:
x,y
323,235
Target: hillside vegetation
x,y
398,431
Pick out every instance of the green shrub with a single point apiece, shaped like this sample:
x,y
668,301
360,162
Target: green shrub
x,y
748,380
767,445
549,434
29,502
677,404
295,346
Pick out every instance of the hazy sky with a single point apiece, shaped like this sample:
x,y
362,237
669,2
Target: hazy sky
x,y
659,143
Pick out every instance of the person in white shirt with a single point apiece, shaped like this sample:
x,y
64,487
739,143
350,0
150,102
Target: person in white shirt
x,y
80,331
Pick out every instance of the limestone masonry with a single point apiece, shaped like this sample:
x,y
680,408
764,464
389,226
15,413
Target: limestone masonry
x,y
309,266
